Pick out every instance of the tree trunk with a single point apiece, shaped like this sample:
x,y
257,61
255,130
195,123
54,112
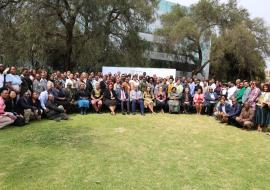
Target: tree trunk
x,y
69,48
198,67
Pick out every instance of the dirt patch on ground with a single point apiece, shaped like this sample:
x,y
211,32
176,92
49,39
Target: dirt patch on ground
x,y
120,130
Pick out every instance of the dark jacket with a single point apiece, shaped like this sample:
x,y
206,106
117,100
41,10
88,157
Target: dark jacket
x,y
26,85
103,85
82,94
36,105
11,106
235,110
189,98
54,111
89,86
24,103
107,94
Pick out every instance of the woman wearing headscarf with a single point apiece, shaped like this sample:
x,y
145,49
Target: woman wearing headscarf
x,y
174,101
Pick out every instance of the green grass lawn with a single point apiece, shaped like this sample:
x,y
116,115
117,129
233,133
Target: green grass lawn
x,y
133,152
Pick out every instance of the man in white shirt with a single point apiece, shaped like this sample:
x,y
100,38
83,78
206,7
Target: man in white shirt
x,y
231,91
13,80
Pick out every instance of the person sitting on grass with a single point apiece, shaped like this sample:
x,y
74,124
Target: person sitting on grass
x,y
198,101
97,96
11,106
82,97
245,120
174,101
43,97
161,99
110,98
223,110
35,103
136,97
26,109
234,111
6,118
148,98
55,112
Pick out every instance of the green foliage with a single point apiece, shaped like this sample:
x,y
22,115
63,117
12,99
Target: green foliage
x,y
240,51
69,33
239,44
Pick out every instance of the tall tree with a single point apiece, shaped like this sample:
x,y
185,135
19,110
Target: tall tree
x,y
186,30
70,33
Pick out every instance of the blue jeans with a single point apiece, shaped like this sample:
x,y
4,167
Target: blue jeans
x,y
133,106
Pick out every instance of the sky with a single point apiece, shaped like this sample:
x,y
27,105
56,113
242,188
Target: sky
x,y
256,8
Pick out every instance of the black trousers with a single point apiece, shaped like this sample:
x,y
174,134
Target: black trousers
x,y
210,108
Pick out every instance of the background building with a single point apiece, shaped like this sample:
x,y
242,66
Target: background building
x,y
161,59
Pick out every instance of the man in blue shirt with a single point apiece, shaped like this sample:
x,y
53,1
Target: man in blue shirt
x,y
234,112
136,97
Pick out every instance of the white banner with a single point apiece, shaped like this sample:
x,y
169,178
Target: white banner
x,y
139,71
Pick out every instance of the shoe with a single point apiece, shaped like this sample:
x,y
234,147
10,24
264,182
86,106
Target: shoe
x,y
133,113
123,113
143,114
128,113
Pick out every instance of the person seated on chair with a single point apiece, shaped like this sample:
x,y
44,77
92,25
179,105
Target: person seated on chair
x,y
97,96
174,101
148,98
186,100
198,101
124,98
211,98
136,97
55,112
83,99
60,96
6,118
246,117
161,99
110,98
70,94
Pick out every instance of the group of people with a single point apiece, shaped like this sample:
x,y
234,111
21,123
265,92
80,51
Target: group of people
x,y
33,95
